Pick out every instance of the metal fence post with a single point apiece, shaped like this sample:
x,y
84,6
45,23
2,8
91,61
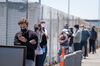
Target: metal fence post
x,y
6,22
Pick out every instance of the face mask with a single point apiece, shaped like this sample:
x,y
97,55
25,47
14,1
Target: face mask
x,y
74,29
43,25
24,30
81,28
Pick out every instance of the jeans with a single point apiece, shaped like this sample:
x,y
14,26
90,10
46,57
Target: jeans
x,y
39,60
84,45
44,55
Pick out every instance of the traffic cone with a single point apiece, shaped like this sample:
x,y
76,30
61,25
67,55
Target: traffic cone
x,y
62,57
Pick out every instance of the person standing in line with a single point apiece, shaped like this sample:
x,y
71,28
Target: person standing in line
x,y
76,38
93,37
45,49
42,41
71,40
71,37
63,40
28,38
66,32
84,38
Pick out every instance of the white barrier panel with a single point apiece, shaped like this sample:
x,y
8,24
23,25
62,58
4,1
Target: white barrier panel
x,y
12,56
73,59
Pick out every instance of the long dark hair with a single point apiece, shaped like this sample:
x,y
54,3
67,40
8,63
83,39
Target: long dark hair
x,y
36,27
40,27
71,29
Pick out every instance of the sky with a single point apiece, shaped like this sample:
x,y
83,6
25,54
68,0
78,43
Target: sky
x,y
86,9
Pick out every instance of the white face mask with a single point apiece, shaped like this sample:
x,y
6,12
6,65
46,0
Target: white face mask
x,y
81,28
43,25
74,30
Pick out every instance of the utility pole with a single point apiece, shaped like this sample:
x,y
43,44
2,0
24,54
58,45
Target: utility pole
x,y
68,7
39,1
6,22
68,11
27,9
99,9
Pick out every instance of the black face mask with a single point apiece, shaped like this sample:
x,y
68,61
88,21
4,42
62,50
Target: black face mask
x,y
24,30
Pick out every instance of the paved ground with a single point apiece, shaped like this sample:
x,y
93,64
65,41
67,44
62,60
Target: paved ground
x,y
92,60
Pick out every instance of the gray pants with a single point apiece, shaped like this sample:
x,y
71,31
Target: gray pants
x,y
30,63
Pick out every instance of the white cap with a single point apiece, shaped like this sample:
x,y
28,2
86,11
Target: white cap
x,y
65,31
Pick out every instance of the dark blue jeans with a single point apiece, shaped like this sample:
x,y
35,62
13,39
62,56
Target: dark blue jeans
x,y
84,45
45,54
41,58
